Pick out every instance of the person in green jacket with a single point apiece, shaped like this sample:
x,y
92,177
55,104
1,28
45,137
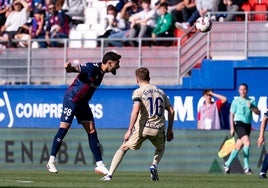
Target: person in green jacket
x,y
164,26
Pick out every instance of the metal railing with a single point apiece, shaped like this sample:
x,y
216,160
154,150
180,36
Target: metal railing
x,y
45,65
168,64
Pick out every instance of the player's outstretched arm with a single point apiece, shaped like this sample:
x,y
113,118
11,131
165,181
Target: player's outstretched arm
x,y
69,67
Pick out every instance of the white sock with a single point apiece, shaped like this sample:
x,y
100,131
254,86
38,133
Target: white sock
x,y
52,158
118,156
100,163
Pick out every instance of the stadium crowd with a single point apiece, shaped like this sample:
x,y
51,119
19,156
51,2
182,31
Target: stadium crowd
x,y
48,20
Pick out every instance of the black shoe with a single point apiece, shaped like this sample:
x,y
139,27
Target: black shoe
x,y
154,174
262,175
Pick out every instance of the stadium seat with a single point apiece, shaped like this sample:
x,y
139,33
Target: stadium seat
x,y
245,7
179,33
253,2
92,35
91,15
83,33
82,28
102,14
260,7
99,28
74,37
265,1
99,4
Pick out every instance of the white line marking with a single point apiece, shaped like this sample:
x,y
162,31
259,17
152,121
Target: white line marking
x,y
19,181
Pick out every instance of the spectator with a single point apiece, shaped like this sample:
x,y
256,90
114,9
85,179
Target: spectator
x,y
48,2
142,23
58,4
189,7
203,7
57,26
208,113
75,8
164,25
229,6
15,19
35,30
38,4
111,23
174,7
4,8
120,5
130,8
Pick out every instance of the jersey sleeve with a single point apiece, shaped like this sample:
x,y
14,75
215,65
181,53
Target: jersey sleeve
x,y
136,96
167,102
253,103
166,99
233,107
88,68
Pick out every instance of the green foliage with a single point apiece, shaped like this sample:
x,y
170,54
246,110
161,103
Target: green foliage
x,y
76,179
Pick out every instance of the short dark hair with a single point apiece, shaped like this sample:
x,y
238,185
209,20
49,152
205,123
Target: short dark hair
x,y
134,1
111,7
143,74
147,1
38,11
110,56
205,91
245,85
165,5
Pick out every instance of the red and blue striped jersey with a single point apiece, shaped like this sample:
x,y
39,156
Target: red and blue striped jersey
x,y
86,82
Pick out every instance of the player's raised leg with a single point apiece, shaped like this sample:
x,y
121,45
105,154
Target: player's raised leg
x,y
118,156
132,140
232,156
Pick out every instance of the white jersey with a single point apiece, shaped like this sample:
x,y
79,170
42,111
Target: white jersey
x,y
211,5
153,103
143,15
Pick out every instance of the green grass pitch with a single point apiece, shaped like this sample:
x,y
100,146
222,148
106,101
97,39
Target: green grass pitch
x,y
76,179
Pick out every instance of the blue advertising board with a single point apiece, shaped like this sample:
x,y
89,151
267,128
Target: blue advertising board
x,y
41,106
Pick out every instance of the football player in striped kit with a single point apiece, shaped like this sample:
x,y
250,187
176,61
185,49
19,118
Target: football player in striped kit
x,y
75,103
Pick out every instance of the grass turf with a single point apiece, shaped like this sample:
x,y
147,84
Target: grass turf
x,y
76,179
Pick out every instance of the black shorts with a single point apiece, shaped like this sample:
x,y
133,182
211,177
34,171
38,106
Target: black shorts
x,y
242,129
80,110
